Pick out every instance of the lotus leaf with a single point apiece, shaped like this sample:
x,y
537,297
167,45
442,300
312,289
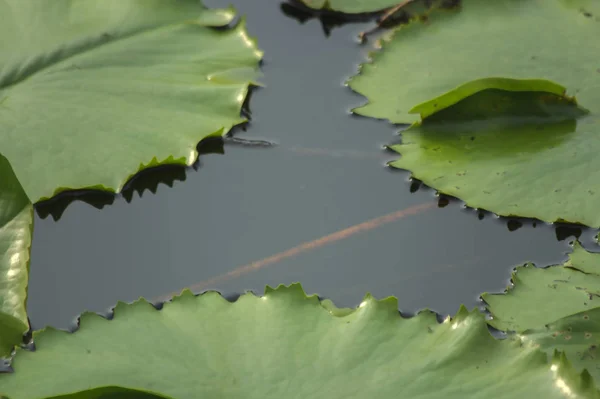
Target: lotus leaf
x,y
515,154
563,290
525,167
484,45
285,344
16,223
556,307
91,92
578,336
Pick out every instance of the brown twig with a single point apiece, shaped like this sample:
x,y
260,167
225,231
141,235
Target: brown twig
x,y
388,14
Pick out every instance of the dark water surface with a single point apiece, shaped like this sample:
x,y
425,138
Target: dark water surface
x,y
326,173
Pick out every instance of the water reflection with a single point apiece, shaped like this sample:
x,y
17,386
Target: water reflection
x,y
329,20
564,231
56,206
443,201
514,225
382,20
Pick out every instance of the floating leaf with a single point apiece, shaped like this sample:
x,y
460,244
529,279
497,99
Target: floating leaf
x,y
484,45
557,307
16,223
542,295
578,336
285,344
527,167
92,92
516,154
580,259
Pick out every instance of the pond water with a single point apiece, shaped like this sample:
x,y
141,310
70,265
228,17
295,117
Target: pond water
x,y
293,211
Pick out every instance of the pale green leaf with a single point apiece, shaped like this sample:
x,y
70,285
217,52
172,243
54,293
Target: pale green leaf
x,y
527,166
484,45
557,308
580,259
578,336
539,296
16,223
91,92
515,154
285,344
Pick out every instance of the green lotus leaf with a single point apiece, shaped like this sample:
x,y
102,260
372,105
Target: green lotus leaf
x,y
93,92
513,153
484,45
530,163
580,259
557,307
285,344
539,296
16,223
578,336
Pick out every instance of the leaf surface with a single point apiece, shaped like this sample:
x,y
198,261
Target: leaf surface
x,y
578,336
529,164
557,308
93,92
530,154
539,296
16,224
484,45
285,344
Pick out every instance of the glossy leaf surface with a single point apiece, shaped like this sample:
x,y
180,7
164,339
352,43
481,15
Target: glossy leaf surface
x,y
557,308
578,336
539,296
529,161
16,224
525,154
92,92
427,66
285,344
